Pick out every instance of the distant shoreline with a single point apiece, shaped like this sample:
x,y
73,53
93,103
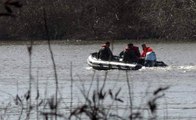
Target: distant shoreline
x,y
80,42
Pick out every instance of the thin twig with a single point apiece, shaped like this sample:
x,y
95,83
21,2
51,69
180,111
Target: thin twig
x,y
37,98
30,78
71,75
53,61
88,92
130,96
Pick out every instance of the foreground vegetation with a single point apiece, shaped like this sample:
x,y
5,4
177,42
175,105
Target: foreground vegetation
x,y
101,103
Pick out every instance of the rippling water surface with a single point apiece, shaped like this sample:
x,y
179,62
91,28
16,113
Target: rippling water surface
x,y
179,101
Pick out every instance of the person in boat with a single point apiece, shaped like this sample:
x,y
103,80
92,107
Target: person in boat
x,y
148,56
105,53
131,54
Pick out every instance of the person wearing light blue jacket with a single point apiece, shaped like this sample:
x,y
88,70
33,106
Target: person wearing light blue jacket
x,y
150,59
149,56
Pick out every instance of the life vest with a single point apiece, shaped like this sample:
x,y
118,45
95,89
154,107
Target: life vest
x,y
129,55
136,51
147,49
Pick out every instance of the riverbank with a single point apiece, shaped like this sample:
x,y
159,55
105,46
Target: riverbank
x,y
79,42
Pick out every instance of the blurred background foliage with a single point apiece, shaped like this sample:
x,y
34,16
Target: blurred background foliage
x,y
100,19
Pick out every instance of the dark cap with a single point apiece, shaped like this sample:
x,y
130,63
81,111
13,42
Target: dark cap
x,y
143,44
130,44
107,43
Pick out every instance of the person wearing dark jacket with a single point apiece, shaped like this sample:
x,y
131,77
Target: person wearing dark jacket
x,y
130,54
136,51
105,53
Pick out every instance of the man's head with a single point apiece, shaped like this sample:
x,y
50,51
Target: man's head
x,y
107,44
143,46
130,45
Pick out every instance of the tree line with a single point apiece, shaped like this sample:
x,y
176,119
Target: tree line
x,y
101,19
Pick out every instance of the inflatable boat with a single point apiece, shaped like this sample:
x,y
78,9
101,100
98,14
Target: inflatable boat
x,y
99,64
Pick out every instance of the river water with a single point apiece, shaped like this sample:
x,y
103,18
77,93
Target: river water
x,y
178,102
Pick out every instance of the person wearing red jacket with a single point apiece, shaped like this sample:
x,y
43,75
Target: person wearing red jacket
x,y
148,55
145,50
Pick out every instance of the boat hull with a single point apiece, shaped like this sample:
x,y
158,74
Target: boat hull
x,y
98,64
107,65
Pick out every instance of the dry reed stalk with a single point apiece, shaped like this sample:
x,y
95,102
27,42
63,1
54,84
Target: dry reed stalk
x,y
53,61
88,92
30,48
130,94
71,87
37,97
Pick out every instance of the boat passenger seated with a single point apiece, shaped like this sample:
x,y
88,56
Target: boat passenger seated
x,y
105,53
149,56
131,54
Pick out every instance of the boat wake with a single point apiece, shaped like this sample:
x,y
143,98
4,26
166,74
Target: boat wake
x,y
88,68
171,68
